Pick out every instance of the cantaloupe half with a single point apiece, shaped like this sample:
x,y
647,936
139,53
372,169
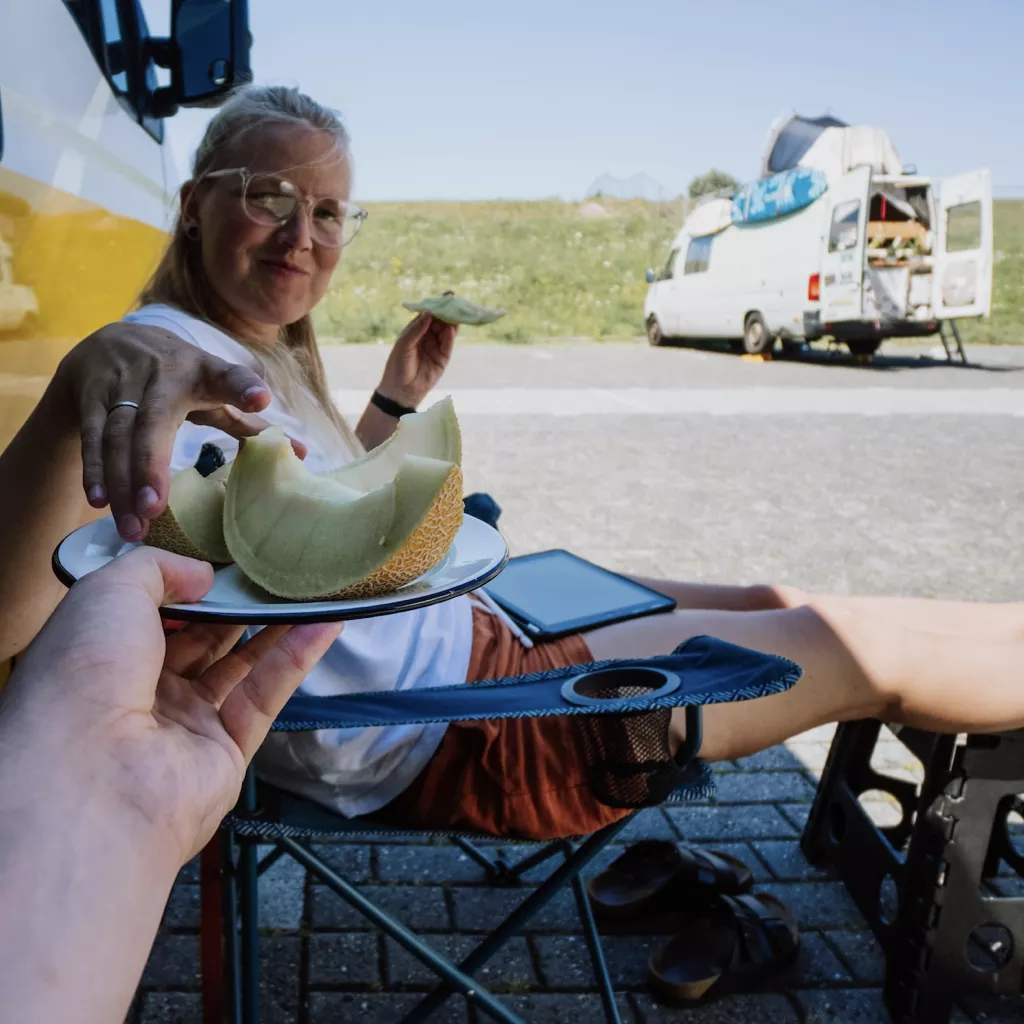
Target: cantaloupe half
x,y
192,524
366,529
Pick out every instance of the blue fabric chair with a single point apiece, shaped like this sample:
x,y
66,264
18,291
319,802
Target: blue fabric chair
x,y
701,671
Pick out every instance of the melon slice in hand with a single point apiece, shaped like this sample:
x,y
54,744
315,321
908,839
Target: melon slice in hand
x,y
192,524
455,310
308,537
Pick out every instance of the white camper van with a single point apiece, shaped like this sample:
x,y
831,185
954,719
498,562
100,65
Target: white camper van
x,y
838,239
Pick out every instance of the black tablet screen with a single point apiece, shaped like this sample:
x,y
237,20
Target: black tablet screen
x,y
557,591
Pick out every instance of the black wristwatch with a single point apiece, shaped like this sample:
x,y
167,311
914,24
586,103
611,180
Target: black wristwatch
x,y
389,407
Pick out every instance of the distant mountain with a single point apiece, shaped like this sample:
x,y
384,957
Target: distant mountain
x,y
639,186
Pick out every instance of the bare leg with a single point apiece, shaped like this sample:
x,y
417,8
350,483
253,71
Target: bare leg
x,y
856,664
1005,620
997,620
722,597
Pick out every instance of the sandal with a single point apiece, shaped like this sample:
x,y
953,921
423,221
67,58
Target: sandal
x,y
654,875
739,942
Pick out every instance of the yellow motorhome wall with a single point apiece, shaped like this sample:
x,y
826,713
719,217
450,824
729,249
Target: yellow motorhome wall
x,y
83,201
74,267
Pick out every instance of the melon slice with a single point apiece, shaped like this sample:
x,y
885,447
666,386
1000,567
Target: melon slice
x,y
306,537
432,434
455,310
192,524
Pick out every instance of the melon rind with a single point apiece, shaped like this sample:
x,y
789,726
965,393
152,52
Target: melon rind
x,y
166,533
426,546
192,524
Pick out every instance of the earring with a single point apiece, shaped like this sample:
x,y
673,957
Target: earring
x,y
192,231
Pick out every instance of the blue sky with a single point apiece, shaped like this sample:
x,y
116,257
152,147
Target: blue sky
x,y
463,99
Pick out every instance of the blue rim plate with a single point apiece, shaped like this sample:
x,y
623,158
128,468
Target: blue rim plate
x,y
476,556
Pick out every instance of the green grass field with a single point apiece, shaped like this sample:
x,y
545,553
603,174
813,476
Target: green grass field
x,y
1006,325
559,272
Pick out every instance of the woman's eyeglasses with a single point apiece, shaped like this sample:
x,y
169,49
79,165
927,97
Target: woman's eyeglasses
x,y
272,201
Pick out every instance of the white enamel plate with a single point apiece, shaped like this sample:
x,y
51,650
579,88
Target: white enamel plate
x,y
476,556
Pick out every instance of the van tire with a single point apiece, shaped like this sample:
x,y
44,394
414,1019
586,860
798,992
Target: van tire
x,y
757,339
654,333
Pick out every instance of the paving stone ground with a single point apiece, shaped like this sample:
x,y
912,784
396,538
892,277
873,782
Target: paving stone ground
x,y
846,504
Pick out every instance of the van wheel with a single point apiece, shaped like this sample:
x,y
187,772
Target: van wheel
x,y
864,346
654,335
757,338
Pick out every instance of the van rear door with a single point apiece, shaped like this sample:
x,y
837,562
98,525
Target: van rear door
x,y
842,263
963,258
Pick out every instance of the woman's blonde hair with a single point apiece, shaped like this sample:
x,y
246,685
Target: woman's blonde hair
x,y
293,370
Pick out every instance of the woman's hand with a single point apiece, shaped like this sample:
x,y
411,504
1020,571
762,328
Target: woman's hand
x,y
418,360
126,452
158,731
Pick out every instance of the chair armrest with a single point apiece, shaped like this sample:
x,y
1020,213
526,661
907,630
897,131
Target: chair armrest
x,y
701,671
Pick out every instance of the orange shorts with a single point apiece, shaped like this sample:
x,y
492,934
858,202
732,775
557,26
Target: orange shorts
x,y
516,777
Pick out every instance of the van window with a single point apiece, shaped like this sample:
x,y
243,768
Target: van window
x,y
963,227
99,22
114,40
670,265
845,222
113,57
698,254
80,12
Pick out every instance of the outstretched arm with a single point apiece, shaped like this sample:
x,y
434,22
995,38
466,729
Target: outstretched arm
x,y
119,755
74,456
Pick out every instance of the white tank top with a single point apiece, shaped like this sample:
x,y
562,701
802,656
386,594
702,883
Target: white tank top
x,y
353,771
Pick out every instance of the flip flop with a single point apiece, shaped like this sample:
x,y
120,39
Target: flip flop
x,y
739,942
654,874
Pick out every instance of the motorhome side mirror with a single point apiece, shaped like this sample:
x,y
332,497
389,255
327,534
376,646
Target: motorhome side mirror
x,y
651,276
208,53
212,40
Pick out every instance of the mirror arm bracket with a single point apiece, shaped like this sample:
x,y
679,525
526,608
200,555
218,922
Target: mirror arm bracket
x,y
162,51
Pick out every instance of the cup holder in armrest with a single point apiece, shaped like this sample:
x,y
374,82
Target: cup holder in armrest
x,y
619,686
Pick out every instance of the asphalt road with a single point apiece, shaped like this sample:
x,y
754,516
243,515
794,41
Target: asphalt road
x,y
905,476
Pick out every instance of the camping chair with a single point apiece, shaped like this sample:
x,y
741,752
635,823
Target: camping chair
x,y
701,671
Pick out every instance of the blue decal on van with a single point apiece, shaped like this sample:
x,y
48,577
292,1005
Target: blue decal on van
x,y
777,195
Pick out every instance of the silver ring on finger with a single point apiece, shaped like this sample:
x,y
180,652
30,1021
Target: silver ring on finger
x,y
125,404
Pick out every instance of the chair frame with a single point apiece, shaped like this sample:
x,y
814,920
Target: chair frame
x,y
232,860
230,867
230,871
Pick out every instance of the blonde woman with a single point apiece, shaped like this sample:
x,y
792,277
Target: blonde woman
x,y
223,342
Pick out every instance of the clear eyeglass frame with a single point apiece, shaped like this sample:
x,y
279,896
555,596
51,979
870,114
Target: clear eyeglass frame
x,y
276,208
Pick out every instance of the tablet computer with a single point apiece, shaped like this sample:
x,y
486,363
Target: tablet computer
x,y
554,593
